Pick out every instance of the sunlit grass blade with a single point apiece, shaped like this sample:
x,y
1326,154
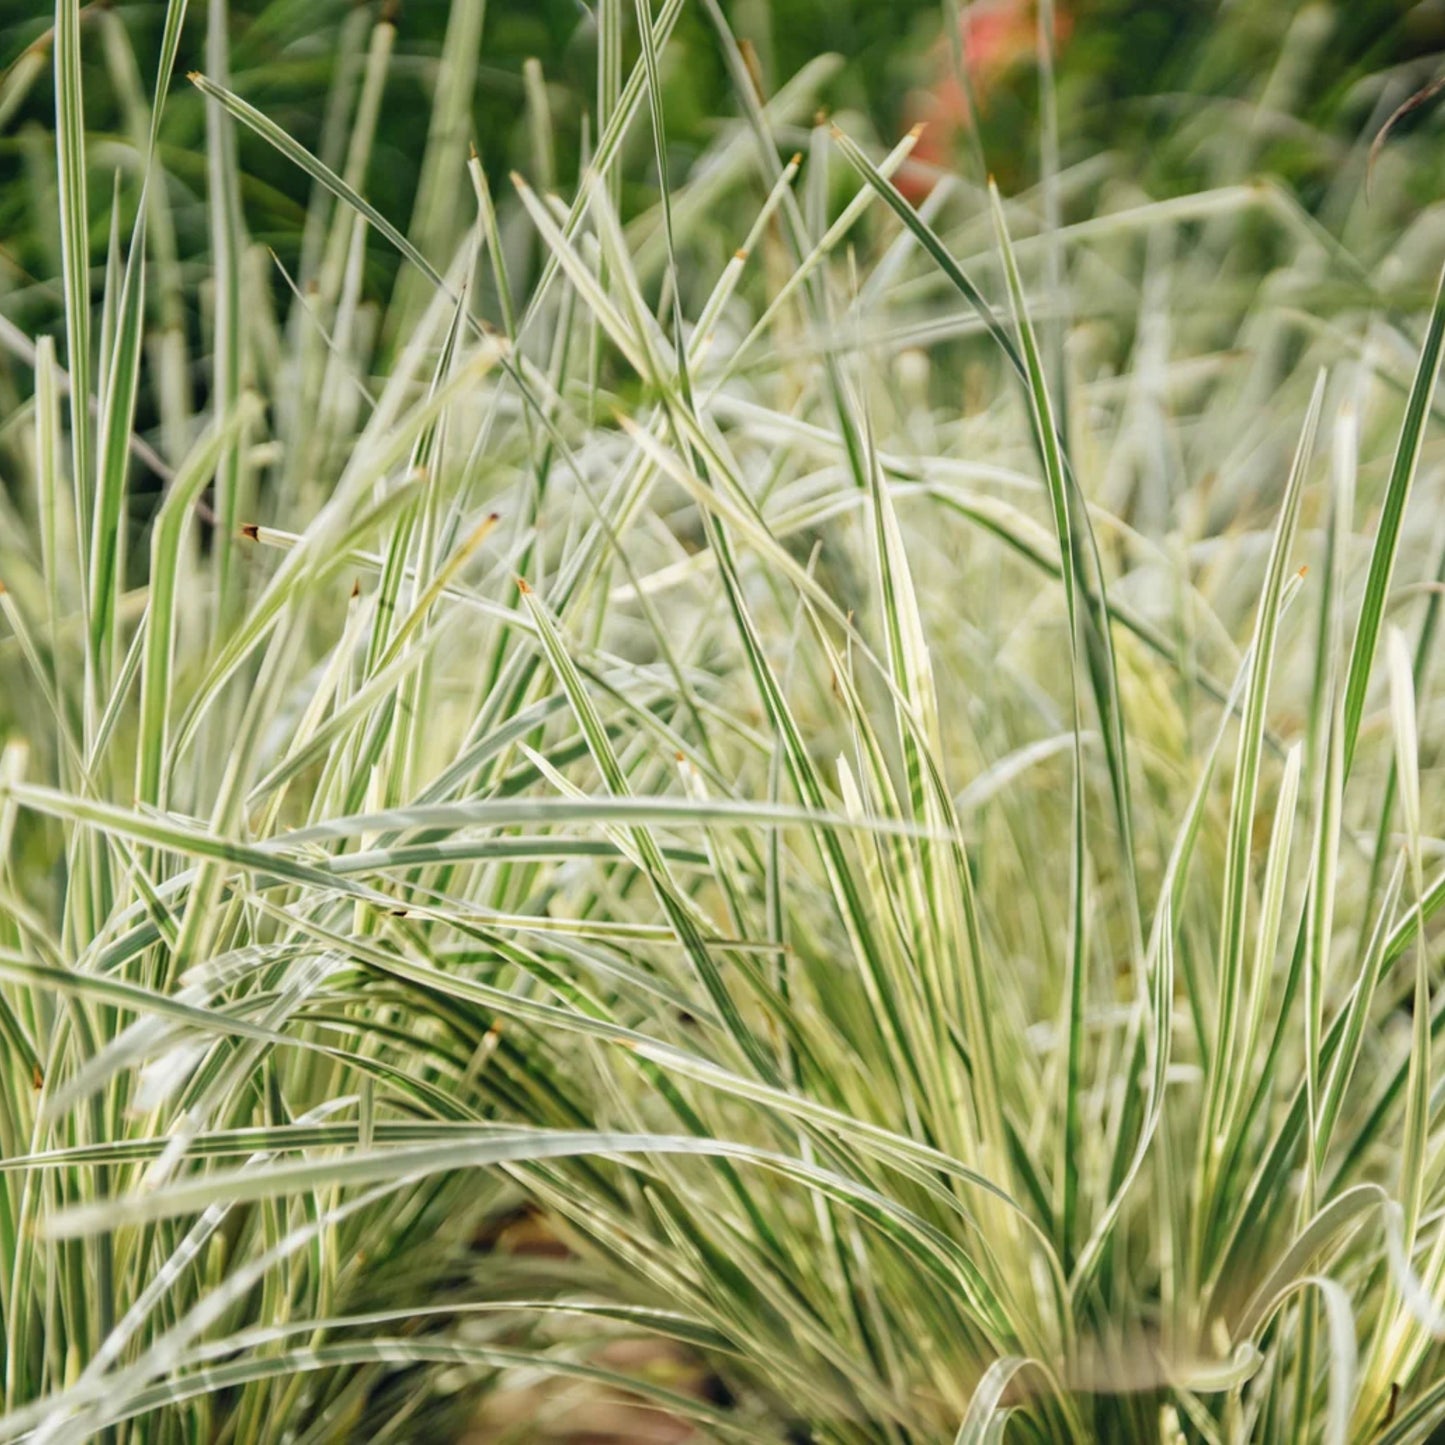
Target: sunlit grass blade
x,y
1392,516
1221,1066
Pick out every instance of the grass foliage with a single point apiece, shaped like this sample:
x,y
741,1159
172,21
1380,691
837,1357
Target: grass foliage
x,y
877,766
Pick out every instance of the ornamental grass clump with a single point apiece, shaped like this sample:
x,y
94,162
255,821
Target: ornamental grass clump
x,y
867,773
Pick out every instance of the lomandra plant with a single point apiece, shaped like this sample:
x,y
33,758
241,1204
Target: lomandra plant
x,y
877,775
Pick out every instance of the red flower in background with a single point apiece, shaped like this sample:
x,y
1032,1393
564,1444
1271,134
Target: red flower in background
x,y
996,36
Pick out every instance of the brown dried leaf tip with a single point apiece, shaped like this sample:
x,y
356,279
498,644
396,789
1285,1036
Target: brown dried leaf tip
x,y
1421,97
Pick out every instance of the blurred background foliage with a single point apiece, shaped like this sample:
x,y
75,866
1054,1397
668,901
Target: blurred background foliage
x,y
1159,86
1154,99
